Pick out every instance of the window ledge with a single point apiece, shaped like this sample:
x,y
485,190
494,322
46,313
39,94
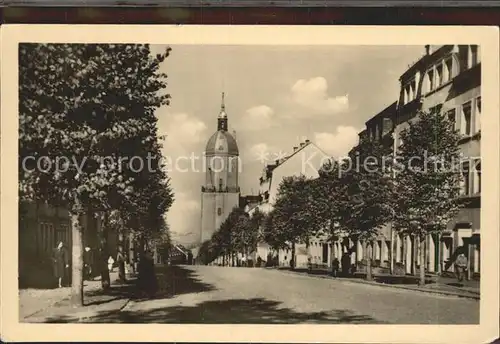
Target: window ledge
x,y
467,138
440,87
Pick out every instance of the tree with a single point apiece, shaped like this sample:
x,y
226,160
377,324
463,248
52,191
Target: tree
x,y
293,218
82,109
369,194
428,183
330,203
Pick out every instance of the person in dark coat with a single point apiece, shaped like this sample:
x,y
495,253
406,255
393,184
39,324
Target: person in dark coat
x,y
335,267
61,263
346,263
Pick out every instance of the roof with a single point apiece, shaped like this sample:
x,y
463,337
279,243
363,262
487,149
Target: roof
x,y
221,142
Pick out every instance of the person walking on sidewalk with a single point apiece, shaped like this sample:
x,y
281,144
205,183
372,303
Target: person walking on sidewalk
x,y
61,263
461,266
335,267
111,261
346,264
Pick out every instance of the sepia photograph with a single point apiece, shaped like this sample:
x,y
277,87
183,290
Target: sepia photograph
x,y
233,183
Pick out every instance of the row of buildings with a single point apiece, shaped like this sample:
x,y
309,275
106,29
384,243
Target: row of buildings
x,y
447,77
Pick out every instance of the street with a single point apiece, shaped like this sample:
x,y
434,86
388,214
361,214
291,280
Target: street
x,y
209,294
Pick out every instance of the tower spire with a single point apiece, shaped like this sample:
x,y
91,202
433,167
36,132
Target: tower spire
x,y
222,119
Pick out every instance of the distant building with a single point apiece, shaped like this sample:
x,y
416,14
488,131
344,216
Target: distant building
x,y
220,193
306,159
179,255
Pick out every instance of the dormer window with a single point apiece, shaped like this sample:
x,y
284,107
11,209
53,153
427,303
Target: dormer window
x,y
473,57
409,91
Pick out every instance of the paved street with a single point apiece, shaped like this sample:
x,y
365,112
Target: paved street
x,y
205,294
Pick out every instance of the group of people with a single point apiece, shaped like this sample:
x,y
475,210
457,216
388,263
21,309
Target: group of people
x,y
345,262
461,263
61,259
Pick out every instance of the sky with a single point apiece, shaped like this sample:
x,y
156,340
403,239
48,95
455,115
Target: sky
x,y
275,97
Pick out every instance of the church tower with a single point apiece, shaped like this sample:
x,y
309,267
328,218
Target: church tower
x,y
220,192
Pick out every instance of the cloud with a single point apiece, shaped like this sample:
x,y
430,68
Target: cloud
x,y
259,117
183,128
312,94
184,207
263,153
337,144
184,134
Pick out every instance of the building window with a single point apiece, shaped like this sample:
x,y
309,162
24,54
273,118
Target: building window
x,y
439,75
219,211
410,91
452,117
473,58
465,190
430,80
477,179
47,237
466,118
478,114
448,64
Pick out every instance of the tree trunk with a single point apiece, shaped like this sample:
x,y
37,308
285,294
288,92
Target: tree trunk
x,y
422,261
77,232
103,231
121,254
131,254
413,255
292,266
369,252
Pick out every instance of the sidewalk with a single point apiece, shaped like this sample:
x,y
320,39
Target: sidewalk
x,y
439,285
47,305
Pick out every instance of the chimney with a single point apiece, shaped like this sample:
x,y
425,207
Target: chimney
x,y
277,162
307,141
428,49
302,144
295,148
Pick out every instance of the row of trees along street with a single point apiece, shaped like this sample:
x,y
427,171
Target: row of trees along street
x,y
359,195
84,102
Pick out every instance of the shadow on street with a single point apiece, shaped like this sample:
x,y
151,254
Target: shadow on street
x,y
176,280
237,311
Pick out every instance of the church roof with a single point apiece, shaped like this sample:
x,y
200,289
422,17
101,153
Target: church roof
x,y
222,142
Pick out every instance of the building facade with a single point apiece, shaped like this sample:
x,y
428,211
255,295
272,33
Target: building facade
x,y
448,78
220,193
41,227
378,128
306,159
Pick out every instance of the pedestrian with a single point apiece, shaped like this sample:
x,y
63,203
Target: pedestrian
x,y
335,267
346,263
461,266
61,263
87,263
111,261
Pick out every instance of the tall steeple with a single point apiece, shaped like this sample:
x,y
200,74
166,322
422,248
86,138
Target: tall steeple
x,y
222,119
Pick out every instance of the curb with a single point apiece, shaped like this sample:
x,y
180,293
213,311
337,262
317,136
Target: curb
x,y
375,284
